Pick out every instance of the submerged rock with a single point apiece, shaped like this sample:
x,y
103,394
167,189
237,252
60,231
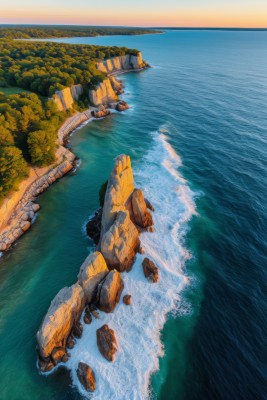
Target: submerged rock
x,y
93,226
109,291
86,376
92,272
106,342
142,216
150,270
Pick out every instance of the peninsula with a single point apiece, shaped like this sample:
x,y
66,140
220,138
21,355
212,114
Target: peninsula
x,y
124,216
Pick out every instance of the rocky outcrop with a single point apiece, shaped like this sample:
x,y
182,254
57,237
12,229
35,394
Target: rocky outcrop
x,y
120,243
122,106
106,342
150,270
101,112
62,316
122,63
142,216
109,291
119,189
92,272
86,376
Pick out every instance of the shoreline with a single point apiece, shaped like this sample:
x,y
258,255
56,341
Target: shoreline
x,y
18,210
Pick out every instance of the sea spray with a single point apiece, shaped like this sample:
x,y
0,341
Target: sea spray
x,y
138,326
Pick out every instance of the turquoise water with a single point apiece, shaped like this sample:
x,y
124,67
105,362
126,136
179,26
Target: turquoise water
x,y
206,96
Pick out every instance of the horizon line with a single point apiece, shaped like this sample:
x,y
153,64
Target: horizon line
x,y
140,27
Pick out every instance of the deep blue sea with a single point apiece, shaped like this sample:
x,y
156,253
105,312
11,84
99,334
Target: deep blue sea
x,y
197,135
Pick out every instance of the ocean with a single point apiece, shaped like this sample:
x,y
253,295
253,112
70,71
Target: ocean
x,y
197,136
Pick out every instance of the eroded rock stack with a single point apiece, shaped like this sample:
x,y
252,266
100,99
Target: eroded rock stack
x,y
124,216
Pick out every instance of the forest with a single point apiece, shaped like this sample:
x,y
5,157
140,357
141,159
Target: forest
x,y
55,31
29,120
44,67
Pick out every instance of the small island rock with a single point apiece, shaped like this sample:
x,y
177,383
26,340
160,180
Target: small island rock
x,y
106,342
86,376
127,299
150,270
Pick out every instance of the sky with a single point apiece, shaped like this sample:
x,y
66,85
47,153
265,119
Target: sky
x,y
179,13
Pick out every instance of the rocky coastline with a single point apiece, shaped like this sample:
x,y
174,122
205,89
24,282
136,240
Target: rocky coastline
x,y
99,287
18,210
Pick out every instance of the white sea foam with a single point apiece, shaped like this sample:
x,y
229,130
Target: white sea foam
x,y
138,326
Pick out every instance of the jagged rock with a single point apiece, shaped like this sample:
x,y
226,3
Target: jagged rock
x,y
119,189
109,291
70,342
106,342
64,98
77,329
116,85
120,243
127,299
101,113
122,106
95,314
65,358
57,354
86,376
149,205
64,311
150,270
87,319
93,226
45,366
92,272
142,216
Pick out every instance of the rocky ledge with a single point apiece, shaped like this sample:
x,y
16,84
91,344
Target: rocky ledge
x,y
116,229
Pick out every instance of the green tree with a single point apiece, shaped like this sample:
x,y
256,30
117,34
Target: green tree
x,y
13,168
42,148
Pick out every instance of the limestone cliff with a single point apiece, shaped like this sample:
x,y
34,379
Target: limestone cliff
x,y
103,94
65,98
121,63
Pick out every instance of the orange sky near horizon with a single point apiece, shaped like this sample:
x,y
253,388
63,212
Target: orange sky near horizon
x,y
211,16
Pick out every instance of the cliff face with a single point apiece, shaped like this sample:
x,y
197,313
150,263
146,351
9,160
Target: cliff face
x,y
120,63
64,99
103,94
106,90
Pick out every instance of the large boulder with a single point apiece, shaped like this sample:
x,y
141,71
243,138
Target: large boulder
x,y
120,243
64,311
150,270
109,291
119,189
142,217
106,342
86,376
92,272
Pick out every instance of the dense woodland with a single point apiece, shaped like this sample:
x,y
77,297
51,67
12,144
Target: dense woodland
x,y
29,120
56,31
43,67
